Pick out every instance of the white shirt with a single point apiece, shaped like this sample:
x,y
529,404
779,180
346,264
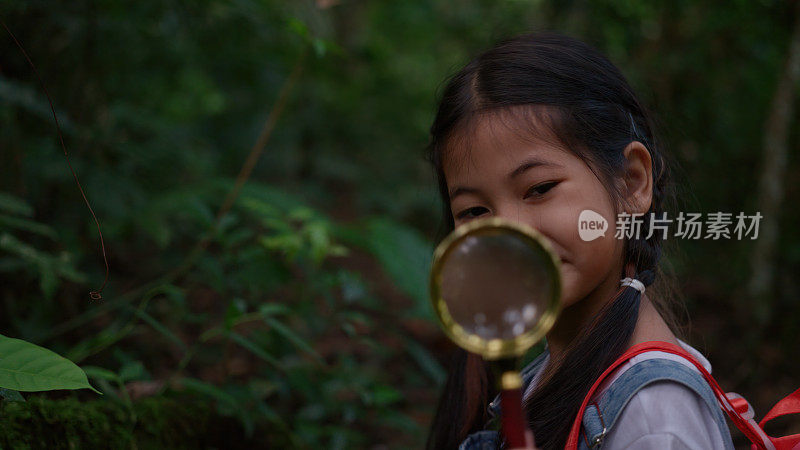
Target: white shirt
x,y
662,415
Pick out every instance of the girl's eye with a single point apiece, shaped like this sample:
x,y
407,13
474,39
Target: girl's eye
x,y
541,189
469,213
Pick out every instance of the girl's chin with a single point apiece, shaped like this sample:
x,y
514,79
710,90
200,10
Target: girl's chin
x,y
568,286
567,300
567,278
567,295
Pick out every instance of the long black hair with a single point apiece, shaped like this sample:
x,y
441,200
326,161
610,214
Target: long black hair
x,y
586,103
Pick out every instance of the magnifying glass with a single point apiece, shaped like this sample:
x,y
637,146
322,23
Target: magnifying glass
x,y
495,286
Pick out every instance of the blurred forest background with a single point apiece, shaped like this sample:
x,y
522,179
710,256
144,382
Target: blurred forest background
x,y
291,310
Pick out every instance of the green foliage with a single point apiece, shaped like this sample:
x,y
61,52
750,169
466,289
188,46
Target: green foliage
x,y
403,253
303,309
30,368
165,422
19,256
300,233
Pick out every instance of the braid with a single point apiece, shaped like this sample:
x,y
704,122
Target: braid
x,y
645,253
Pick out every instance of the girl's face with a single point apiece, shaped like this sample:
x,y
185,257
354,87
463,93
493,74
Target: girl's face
x,y
542,185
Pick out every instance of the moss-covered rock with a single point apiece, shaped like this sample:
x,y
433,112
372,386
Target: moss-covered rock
x,y
157,422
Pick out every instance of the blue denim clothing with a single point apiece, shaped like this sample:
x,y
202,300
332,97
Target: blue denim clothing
x,y
599,420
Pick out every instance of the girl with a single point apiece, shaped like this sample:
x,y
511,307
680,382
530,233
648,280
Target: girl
x,y
538,129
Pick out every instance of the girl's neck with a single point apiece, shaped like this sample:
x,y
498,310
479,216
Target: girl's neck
x,y
649,325
579,315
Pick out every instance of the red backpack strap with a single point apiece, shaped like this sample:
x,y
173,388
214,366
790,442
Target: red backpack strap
x,y
572,440
788,405
746,425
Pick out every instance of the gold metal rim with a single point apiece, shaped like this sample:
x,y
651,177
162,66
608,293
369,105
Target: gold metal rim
x,y
495,348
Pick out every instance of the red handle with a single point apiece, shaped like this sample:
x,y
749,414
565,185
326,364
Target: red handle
x,y
514,423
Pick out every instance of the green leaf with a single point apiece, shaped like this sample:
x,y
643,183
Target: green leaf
x,y
319,47
158,326
404,254
385,395
14,246
255,349
101,373
133,371
227,403
201,387
291,336
235,310
26,225
269,309
29,368
31,99
427,362
49,267
14,205
298,27
48,281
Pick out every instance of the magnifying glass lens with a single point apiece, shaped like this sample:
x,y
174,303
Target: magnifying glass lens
x,y
496,285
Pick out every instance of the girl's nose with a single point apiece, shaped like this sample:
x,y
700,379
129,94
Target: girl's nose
x,y
513,213
517,214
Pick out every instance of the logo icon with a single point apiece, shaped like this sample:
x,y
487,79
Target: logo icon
x,y
591,225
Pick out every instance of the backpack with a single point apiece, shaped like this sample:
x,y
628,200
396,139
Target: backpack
x,y
734,405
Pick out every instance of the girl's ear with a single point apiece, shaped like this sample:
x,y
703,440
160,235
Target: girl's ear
x,y
638,178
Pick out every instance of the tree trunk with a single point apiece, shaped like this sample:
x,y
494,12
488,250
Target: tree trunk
x,y
770,193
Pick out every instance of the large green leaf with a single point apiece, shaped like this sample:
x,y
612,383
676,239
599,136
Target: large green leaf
x,y
404,254
27,367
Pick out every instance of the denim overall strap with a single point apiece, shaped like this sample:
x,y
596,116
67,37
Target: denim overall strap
x,y
598,420
527,374
481,440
